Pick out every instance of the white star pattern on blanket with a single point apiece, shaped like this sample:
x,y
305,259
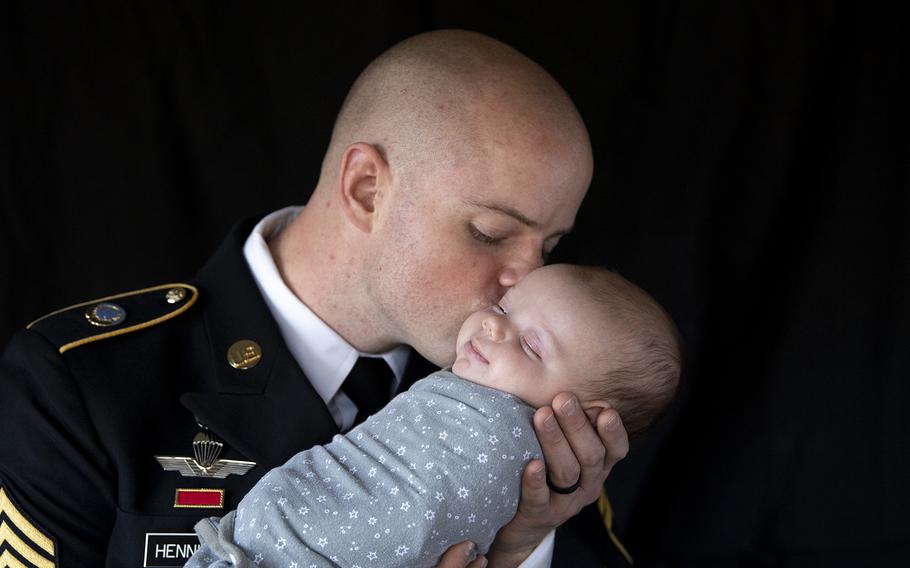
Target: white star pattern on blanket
x,y
440,464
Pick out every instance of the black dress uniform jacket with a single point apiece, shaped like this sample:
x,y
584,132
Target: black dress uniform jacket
x,y
84,410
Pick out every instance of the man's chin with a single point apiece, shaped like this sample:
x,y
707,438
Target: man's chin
x,y
442,358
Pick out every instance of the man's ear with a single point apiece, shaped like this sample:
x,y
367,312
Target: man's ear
x,y
363,174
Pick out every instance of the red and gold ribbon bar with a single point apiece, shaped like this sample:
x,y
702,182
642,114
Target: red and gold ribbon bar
x,y
199,499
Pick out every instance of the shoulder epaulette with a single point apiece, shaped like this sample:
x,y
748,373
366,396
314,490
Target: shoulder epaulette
x,y
114,315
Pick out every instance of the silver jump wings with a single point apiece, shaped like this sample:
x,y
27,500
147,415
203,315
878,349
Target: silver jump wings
x,y
206,448
189,467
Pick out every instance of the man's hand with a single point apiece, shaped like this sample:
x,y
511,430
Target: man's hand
x,y
457,556
577,446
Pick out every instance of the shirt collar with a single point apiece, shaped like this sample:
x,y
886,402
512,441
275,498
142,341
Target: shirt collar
x,y
323,355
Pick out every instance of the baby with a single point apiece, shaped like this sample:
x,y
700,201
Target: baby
x,y
442,462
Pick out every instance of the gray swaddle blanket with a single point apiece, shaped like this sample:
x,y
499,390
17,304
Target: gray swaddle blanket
x,y
441,463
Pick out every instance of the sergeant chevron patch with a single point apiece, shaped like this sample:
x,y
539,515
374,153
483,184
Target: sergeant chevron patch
x,y
22,543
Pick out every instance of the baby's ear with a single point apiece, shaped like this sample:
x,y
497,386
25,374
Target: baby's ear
x,y
593,408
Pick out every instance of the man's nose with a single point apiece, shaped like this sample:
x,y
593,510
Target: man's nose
x,y
519,267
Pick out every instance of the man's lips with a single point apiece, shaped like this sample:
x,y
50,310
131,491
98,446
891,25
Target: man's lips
x,y
473,352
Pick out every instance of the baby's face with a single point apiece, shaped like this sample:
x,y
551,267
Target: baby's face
x,y
537,342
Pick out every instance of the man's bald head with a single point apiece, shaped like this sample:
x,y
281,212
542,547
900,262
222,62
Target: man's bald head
x,y
452,96
455,166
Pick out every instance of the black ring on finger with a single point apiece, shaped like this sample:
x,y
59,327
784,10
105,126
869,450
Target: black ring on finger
x,y
564,490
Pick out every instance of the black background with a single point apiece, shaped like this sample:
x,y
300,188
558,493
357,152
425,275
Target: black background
x,y
752,172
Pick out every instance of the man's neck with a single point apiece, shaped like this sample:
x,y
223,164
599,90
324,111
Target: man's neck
x,y
323,273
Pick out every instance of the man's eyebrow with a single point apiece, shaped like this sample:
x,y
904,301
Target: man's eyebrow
x,y
515,214
506,210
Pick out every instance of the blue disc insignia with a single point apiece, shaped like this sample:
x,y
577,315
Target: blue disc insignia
x,y
105,314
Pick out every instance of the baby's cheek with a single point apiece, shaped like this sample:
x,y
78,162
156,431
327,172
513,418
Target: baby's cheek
x,y
464,369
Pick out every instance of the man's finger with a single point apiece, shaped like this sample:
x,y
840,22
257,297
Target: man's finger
x,y
613,435
479,562
587,446
562,465
535,495
458,555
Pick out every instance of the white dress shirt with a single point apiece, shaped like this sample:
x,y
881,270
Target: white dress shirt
x,y
323,355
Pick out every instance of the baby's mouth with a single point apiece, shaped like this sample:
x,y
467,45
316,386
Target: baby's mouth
x,y
471,349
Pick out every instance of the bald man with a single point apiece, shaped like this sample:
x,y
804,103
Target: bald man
x,y
129,418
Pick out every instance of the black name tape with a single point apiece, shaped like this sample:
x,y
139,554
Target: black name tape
x,y
169,549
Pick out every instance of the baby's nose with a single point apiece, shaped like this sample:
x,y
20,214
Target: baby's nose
x,y
494,327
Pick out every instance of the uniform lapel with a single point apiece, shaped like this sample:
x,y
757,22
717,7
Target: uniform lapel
x,y
416,369
268,412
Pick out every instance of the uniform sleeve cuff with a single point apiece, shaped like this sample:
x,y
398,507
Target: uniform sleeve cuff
x,y
543,554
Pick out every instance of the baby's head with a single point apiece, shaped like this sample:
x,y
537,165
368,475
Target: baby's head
x,y
579,329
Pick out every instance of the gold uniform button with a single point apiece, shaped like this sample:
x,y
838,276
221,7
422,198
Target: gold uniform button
x,y
244,354
175,295
105,314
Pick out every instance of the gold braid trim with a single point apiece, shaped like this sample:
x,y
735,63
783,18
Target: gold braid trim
x,y
606,511
128,329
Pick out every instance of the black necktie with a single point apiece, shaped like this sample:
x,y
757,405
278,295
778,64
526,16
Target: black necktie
x,y
368,385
